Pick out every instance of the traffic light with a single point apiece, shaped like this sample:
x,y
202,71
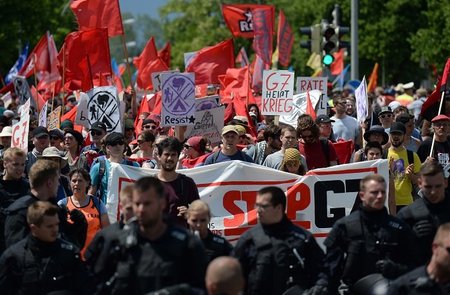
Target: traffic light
x,y
313,44
330,43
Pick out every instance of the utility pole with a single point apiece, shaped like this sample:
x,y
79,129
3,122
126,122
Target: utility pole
x,y
354,40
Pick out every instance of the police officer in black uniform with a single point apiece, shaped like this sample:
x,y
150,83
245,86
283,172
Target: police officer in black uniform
x,y
367,241
433,278
426,214
277,255
156,254
198,217
42,263
44,181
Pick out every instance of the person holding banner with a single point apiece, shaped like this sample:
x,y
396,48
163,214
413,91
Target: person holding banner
x,y
276,255
368,241
441,149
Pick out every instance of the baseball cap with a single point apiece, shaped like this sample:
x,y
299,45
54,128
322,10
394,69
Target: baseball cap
x,y
404,118
323,119
99,126
229,128
398,127
440,118
40,132
56,132
66,124
385,109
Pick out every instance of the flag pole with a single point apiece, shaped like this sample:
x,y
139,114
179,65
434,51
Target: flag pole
x,y
439,111
63,77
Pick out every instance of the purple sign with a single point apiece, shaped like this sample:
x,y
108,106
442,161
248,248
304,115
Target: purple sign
x,y
178,99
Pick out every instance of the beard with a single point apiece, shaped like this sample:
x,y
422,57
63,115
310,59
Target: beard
x,y
397,144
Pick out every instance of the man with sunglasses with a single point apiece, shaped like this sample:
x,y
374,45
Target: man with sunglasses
x,y
433,278
441,149
150,125
386,117
427,213
94,150
115,148
277,255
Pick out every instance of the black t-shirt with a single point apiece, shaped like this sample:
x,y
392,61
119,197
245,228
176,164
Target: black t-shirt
x,y
441,151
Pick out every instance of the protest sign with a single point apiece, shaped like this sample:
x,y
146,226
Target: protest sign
x,y
102,106
312,83
178,99
362,104
22,89
21,129
277,92
54,119
43,115
157,79
299,107
209,123
314,201
207,103
81,117
7,99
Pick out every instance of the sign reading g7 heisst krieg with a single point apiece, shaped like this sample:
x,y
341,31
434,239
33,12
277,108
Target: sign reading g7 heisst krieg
x,y
277,92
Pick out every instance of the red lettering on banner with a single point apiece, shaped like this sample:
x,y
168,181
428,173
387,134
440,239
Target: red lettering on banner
x,y
278,105
275,85
16,138
311,85
238,219
298,199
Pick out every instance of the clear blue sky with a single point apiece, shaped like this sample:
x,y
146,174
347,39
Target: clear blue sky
x,y
149,7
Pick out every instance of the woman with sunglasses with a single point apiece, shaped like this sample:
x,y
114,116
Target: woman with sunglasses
x,y
144,152
194,152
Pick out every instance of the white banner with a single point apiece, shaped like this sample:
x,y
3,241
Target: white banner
x,y
102,106
43,115
277,92
21,129
314,201
362,104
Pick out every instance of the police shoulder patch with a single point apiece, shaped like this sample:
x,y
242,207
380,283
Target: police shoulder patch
x,y
218,240
67,246
179,235
395,224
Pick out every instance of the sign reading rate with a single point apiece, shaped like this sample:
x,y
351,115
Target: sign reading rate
x,y
277,92
178,99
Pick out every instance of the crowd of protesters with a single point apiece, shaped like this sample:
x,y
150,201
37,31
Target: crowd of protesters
x,y
55,234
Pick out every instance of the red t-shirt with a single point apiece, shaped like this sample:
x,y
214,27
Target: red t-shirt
x,y
314,154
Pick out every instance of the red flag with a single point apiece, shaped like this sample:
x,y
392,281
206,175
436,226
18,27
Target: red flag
x,y
210,62
242,58
256,69
445,80
144,77
86,57
164,54
148,54
234,82
309,107
93,14
373,79
40,101
338,65
263,27
239,18
285,40
241,110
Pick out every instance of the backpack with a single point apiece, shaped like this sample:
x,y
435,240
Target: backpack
x,y
410,155
101,173
216,155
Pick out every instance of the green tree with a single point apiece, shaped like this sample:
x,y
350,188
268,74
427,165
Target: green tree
x,y
27,21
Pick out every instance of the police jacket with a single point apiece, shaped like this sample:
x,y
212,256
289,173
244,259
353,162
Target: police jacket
x,y
16,226
417,282
34,267
358,241
176,257
433,214
216,246
278,256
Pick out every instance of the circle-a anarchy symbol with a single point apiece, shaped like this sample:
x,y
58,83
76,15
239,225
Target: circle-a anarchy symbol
x,y
103,107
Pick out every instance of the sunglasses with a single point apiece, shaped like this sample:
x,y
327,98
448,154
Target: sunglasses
x,y
153,127
186,146
120,142
385,116
93,132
